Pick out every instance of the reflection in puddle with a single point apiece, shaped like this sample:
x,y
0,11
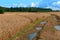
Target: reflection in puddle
x,y
57,27
38,28
32,35
55,18
43,22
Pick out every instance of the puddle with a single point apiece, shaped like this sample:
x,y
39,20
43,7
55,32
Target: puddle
x,y
38,28
43,22
55,18
57,27
32,36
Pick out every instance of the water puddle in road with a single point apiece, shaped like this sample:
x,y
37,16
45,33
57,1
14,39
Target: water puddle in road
x,y
43,22
55,19
32,36
57,27
38,28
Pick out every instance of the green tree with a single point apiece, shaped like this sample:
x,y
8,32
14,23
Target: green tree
x,y
1,11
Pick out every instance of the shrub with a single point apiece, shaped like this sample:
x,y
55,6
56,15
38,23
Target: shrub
x,y
1,11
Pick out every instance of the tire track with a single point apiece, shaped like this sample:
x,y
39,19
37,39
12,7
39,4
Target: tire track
x,y
47,31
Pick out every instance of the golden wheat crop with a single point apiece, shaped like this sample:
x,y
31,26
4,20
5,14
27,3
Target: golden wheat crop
x,y
11,24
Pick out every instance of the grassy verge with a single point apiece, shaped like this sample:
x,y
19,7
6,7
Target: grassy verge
x,y
25,29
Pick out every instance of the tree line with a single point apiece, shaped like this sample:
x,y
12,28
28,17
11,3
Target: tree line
x,y
24,9
27,9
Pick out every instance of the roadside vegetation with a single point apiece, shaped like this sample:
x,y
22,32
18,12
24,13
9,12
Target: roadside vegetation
x,y
25,29
1,10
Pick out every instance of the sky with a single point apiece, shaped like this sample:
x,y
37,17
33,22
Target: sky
x,y
53,4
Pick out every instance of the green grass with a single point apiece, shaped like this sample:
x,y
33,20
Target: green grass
x,y
53,29
25,29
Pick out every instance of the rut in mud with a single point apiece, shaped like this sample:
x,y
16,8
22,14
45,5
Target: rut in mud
x,y
47,32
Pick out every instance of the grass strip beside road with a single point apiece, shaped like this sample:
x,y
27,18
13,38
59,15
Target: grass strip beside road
x,y
25,29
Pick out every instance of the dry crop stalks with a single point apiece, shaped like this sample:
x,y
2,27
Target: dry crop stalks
x,y
11,24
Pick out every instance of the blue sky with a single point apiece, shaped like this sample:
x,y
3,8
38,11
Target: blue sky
x,y
53,4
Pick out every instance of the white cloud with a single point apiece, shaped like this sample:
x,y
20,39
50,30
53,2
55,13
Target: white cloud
x,y
53,8
56,3
33,4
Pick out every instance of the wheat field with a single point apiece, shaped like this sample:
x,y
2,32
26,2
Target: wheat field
x,y
13,22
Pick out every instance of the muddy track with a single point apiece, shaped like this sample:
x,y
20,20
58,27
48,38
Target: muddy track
x,y
57,18
34,23
49,33
39,32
